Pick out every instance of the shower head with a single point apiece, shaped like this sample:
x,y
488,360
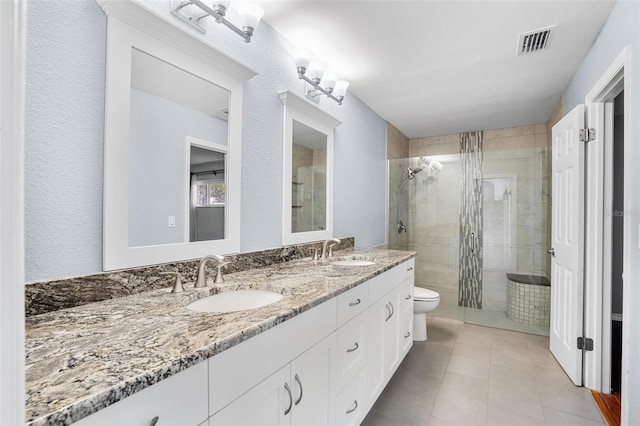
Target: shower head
x,y
411,174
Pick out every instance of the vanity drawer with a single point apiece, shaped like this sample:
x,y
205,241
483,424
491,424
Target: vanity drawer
x,y
350,354
352,302
350,405
178,400
389,280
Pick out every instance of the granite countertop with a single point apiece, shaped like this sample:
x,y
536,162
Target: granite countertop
x,y
82,359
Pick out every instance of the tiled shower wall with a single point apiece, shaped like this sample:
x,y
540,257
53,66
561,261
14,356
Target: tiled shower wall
x,y
515,224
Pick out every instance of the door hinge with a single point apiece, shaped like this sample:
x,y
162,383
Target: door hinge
x,y
587,135
585,344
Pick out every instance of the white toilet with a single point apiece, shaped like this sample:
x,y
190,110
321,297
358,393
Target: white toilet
x,y
424,300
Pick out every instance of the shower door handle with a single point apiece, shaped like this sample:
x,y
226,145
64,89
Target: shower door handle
x,y
552,252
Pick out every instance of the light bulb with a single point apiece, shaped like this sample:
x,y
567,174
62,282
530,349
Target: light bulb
x,y
249,13
341,88
315,70
328,80
220,6
302,57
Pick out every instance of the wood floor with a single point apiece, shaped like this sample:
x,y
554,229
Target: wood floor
x,y
610,407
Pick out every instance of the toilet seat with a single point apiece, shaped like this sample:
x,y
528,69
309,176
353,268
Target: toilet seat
x,y
425,295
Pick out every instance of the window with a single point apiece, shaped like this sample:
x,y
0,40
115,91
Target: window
x,y
210,193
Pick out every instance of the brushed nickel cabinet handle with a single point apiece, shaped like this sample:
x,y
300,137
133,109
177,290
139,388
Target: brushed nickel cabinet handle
x,y
154,421
408,297
288,389
407,335
353,349
299,384
388,312
392,309
357,302
410,268
355,407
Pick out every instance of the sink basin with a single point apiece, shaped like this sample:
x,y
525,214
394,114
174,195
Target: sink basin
x,y
232,301
352,262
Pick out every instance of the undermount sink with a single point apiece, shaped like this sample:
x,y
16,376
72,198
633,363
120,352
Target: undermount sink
x,y
232,301
352,262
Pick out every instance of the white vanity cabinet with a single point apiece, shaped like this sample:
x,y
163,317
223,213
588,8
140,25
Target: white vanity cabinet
x,y
178,400
327,365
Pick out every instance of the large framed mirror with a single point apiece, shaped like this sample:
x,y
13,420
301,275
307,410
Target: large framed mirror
x,y
172,142
308,171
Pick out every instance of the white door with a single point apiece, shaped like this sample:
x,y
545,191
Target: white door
x,y
567,239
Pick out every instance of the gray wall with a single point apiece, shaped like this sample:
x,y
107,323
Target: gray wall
x,y
65,127
622,29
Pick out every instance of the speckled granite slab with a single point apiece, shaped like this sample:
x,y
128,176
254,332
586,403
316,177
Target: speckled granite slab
x,y
60,294
82,359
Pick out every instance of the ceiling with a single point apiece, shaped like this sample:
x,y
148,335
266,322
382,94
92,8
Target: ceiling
x,y
157,77
441,67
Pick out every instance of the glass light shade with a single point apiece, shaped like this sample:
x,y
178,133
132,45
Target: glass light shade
x,y
328,80
249,13
316,69
341,88
224,3
302,57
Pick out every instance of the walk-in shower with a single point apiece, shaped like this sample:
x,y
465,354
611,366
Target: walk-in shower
x,y
474,214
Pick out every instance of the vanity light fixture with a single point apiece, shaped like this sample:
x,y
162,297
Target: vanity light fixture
x,y
194,11
318,81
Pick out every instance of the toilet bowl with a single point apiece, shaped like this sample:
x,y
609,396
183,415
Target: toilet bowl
x,y
424,300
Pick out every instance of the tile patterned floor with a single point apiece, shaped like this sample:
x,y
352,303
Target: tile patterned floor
x,y
472,375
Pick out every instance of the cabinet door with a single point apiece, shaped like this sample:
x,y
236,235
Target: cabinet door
x,y
405,299
309,383
391,348
178,400
265,404
376,378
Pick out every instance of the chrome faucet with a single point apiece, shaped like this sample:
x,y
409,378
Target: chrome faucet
x,y
328,244
202,269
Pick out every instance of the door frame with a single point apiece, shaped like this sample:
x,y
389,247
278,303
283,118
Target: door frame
x,y
13,18
599,172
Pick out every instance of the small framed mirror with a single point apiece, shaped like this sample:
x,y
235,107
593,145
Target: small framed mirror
x,y
172,142
308,171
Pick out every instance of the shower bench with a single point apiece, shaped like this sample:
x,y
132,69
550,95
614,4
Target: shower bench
x,y
528,299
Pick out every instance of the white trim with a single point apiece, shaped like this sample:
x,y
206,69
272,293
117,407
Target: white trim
x,y
296,108
153,37
616,78
13,19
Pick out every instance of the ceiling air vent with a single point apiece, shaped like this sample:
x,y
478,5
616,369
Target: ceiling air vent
x,y
534,41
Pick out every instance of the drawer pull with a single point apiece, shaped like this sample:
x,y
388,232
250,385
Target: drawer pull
x,y
407,335
392,309
355,407
154,421
388,312
408,297
299,384
288,410
410,268
353,349
357,302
